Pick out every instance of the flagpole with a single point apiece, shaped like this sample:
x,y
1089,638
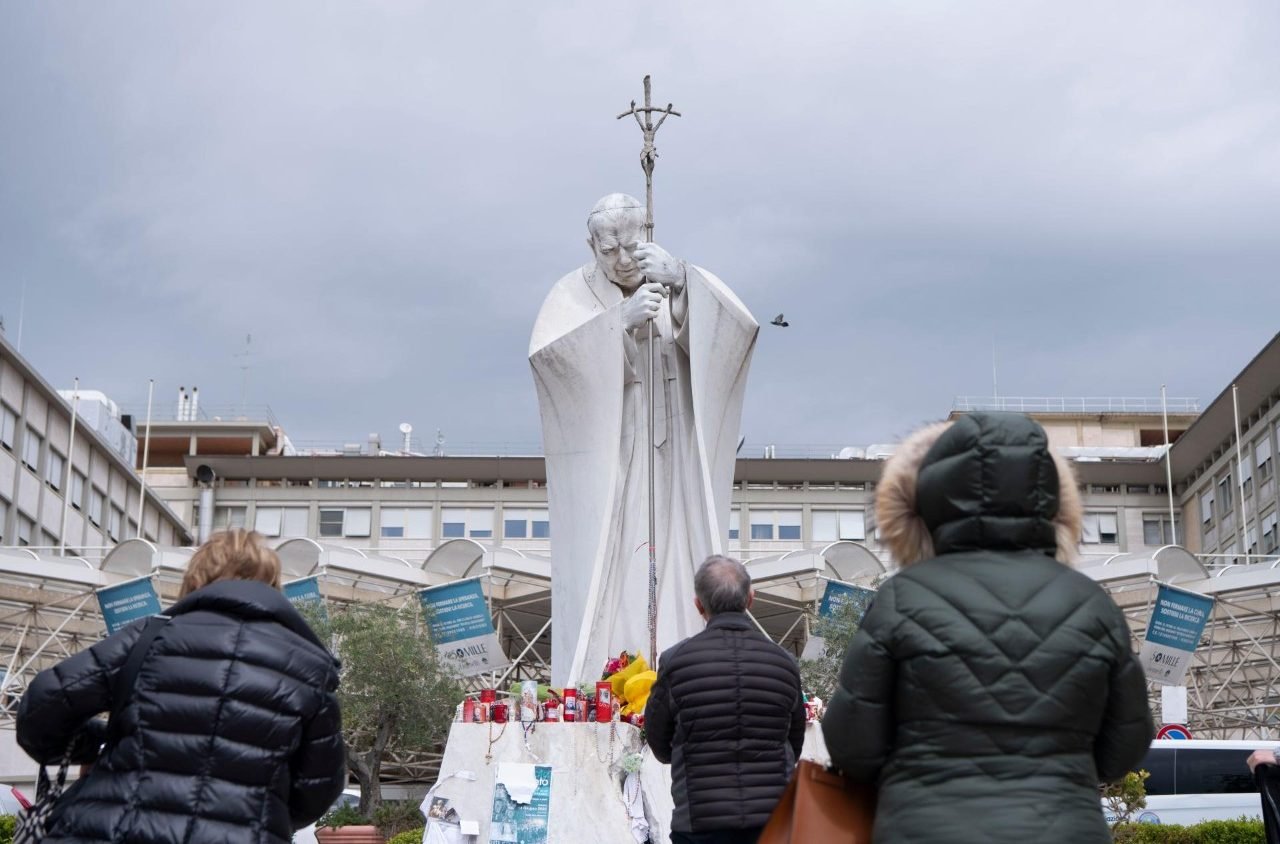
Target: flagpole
x,y
1168,466
1244,515
146,454
71,456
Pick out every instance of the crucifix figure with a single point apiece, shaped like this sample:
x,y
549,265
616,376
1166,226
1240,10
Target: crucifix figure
x,y
597,331
649,152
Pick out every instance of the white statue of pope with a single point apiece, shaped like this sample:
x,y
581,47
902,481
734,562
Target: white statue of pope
x,y
589,355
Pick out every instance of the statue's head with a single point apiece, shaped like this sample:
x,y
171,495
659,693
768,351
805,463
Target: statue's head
x,y
616,228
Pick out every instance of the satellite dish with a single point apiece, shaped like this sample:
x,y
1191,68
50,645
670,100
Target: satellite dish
x,y
406,428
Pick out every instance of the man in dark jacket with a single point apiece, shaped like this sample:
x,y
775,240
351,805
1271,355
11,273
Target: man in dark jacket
x,y
230,735
726,712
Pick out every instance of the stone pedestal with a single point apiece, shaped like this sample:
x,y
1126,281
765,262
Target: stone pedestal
x,y
587,802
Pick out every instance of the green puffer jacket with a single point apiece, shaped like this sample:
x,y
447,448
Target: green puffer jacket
x,y
990,687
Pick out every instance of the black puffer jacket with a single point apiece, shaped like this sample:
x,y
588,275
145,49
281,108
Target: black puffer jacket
x,y
727,713
991,687
231,734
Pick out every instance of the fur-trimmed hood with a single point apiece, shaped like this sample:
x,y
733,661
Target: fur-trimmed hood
x,y
987,481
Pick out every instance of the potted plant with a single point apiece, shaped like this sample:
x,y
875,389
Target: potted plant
x,y
345,825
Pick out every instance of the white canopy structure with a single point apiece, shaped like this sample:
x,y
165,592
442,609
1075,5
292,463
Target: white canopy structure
x,y
1233,686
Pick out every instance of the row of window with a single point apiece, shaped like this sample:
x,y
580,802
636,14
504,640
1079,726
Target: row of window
x,y
394,522
1255,463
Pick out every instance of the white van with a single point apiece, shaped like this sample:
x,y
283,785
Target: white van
x,y
1199,780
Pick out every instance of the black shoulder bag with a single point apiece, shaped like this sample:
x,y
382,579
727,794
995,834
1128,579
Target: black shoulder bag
x,y
33,824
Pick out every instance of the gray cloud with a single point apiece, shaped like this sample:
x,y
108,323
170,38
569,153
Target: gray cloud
x,y
381,194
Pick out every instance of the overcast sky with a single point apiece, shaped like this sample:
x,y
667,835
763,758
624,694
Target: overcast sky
x,y
381,194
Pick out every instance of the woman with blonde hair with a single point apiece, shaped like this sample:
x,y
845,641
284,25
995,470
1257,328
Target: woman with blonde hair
x,y
231,731
991,687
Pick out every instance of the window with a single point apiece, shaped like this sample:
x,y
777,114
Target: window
x,y
1213,772
472,522
735,523
4,517
1160,764
280,521
1269,542
406,523
229,518
114,520
1100,529
346,521
8,426
1262,457
54,464
833,525
1138,489
1246,476
1251,541
31,449
1206,507
1157,530
775,524
1224,495
97,500
526,524
77,489
25,528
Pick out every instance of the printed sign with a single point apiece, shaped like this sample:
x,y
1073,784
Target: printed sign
x,y
522,823
837,595
1174,731
305,594
127,602
1177,620
834,598
462,628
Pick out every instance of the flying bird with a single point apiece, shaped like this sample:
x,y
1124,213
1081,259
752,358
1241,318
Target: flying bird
x,y
780,321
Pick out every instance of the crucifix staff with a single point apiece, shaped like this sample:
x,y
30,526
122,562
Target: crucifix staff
x,y
649,158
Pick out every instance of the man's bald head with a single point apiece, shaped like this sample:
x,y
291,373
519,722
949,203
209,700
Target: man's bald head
x,y
614,210
722,584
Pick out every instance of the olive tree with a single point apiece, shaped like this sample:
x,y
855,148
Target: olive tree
x,y
395,692
818,676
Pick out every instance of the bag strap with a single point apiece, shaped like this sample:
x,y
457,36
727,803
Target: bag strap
x,y
128,675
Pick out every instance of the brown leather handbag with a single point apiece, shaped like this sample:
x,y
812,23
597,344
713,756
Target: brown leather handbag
x,y
821,806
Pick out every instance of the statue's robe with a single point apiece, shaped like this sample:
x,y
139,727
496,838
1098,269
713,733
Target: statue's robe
x,y
592,382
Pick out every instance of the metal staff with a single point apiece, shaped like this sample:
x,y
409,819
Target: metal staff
x,y
648,158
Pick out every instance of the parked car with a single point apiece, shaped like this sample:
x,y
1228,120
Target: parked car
x,y
307,835
1196,780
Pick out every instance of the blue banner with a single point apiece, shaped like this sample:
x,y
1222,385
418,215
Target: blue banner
x,y
839,594
1178,618
304,591
127,602
462,627
1177,621
456,611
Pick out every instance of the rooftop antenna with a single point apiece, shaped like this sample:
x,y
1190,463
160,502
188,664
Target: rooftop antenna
x,y
406,430
22,310
244,370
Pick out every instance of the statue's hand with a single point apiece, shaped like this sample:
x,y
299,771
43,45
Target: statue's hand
x,y
642,306
660,266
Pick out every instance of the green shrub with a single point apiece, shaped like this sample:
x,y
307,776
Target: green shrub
x,y
1242,831
396,816
7,823
412,836
343,815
